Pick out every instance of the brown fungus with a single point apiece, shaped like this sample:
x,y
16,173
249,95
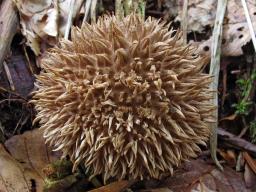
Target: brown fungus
x,y
124,98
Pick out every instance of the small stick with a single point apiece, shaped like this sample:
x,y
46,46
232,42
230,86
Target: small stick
x,y
214,71
184,21
70,16
238,143
247,15
9,77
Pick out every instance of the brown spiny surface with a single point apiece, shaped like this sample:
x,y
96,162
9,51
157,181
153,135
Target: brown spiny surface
x,y
124,98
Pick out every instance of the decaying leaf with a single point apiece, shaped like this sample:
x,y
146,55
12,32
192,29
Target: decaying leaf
x,y
16,177
201,14
198,175
114,187
22,169
249,177
30,149
44,19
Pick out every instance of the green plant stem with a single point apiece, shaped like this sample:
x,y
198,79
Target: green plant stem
x,y
126,7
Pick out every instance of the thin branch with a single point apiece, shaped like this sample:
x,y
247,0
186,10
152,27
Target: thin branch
x,y
214,71
247,15
9,76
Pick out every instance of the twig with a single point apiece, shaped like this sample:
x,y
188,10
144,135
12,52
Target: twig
x,y
184,23
244,130
214,71
236,142
28,60
8,27
247,15
70,18
9,77
87,6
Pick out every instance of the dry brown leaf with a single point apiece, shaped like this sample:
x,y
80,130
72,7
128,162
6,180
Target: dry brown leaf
x,y
30,149
234,37
23,167
230,117
201,14
14,177
44,19
201,187
114,187
249,177
30,7
157,190
229,156
198,174
250,161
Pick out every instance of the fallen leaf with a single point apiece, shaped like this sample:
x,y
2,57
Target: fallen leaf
x,y
43,20
250,161
249,177
229,156
199,174
201,187
14,177
229,118
201,15
114,187
157,190
30,150
29,7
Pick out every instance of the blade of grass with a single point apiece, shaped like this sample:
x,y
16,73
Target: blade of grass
x,y
87,6
9,76
214,71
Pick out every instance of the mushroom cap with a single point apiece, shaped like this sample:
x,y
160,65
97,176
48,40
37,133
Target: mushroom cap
x,y
124,98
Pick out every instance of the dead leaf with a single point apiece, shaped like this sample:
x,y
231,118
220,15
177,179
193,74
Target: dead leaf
x,y
114,187
30,7
229,118
14,177
229,156
157,190
250,161
30,149
42,20
249,177
198,174
201,187
201,14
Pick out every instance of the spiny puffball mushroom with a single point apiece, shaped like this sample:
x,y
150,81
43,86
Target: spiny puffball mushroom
x,y
125,98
